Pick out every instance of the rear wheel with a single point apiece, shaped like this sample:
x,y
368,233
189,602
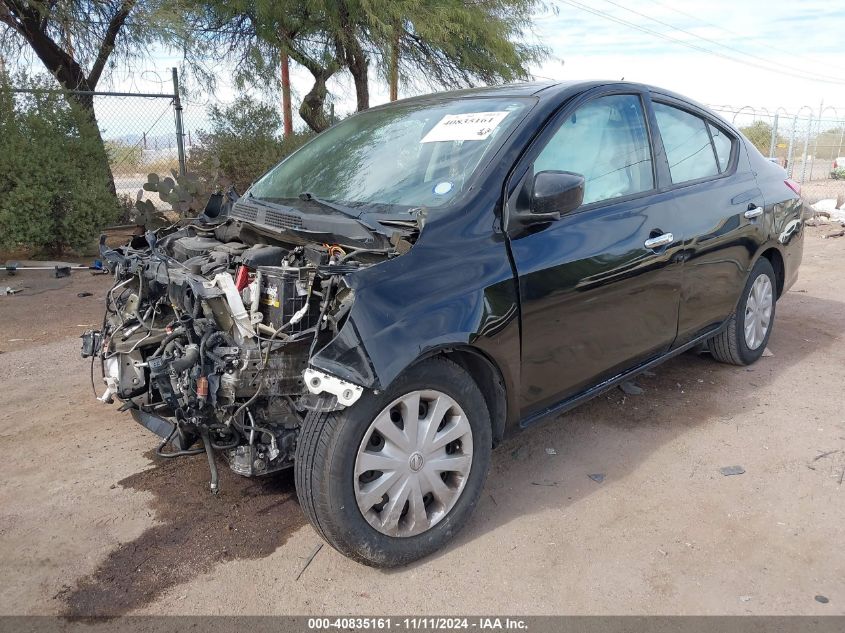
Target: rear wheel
x,y
745,338
394,477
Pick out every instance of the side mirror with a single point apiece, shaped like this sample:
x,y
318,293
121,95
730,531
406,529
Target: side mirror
x,y
556,193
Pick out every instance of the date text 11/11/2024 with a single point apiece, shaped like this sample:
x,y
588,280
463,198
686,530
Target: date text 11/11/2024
x,y
418,623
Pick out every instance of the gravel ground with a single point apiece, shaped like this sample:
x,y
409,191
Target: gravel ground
x,y
91,522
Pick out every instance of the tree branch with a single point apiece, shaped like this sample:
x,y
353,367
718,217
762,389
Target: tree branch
x,y
24,18
107,46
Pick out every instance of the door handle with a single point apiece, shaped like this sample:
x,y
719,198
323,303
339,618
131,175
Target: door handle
x,y
753,212
660,240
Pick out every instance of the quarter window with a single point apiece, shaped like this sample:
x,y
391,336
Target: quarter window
x,y
606,141
722,142
687,144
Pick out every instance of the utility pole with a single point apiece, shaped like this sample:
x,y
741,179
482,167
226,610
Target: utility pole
x,y
287,114
816,140
177,107
774,136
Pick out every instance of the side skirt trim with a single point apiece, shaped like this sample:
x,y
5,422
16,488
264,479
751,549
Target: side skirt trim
x,y
573,401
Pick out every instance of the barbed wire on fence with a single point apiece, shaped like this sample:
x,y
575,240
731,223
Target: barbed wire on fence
x,y
808,142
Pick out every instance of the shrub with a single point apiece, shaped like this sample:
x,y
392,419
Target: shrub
x,y
54,183
124,156
242,144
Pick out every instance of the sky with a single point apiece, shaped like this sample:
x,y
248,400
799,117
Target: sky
x,y
767,54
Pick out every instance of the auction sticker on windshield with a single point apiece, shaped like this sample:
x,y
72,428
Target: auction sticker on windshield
x,y
470,126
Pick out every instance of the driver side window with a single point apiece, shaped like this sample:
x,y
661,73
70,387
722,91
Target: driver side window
x,y
606,141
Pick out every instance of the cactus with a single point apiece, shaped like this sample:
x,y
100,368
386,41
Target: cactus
x,y
185,193
147,214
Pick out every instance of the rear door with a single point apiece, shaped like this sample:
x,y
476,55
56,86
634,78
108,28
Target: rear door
x,y
595,299
718,204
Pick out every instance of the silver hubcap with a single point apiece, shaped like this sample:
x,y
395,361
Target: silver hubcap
x,y
413,463
758,312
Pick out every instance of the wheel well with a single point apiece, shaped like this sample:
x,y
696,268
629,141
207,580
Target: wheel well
x,y
776,260
489,380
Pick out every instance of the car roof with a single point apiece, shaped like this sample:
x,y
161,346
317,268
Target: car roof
x,y
550,90
532,88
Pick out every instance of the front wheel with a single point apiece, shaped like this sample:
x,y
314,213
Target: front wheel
x,y
392,478
747,333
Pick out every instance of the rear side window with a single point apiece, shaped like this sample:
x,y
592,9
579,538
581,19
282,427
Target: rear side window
x,y
723,144
687,144
605,141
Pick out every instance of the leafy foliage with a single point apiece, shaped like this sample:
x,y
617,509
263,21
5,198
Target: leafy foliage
x,y
760,135
77,40
54,193
435,43
123,154
242,144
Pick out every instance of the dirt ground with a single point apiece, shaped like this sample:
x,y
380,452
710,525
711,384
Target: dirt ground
x,y
91,522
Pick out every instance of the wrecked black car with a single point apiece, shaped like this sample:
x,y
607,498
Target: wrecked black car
x,y
380,307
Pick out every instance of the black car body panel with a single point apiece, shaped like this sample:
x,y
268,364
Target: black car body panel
x,y
552,312
593,302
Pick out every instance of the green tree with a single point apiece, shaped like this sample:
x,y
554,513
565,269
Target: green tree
x,y
242,143
760,135
434,43
54,193
77,40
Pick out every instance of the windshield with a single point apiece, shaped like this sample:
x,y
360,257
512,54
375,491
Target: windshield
x,y
408,155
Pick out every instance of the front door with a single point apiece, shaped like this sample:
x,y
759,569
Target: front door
x,y
600,287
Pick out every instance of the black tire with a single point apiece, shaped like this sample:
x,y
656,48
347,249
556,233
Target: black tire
x,y
325,459
729,345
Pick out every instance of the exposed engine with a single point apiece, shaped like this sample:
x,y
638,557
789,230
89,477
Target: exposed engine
x,y
208,332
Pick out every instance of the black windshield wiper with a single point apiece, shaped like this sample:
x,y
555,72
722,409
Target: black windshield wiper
x,y
307,196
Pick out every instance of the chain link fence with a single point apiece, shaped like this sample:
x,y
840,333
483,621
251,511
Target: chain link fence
x,y
809,143
143,133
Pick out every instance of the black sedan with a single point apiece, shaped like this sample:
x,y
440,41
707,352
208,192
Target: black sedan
x,y
379,309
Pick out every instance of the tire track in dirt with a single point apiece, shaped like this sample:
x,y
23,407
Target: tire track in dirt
x,y
248,519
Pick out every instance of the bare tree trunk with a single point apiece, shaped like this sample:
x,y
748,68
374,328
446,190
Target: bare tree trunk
x,y
86,104
354,57
358,67
312,108
394,66
287,113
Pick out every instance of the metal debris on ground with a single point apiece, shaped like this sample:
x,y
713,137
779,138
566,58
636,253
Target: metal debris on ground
x,y
767,352
727,471
822,599
551,451
8,290
631,388
310,558
544,483
597,477
84,294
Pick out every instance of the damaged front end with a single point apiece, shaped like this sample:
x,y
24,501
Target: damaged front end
x,y
209,329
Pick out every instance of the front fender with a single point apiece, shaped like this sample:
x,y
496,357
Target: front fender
x,y
372,351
